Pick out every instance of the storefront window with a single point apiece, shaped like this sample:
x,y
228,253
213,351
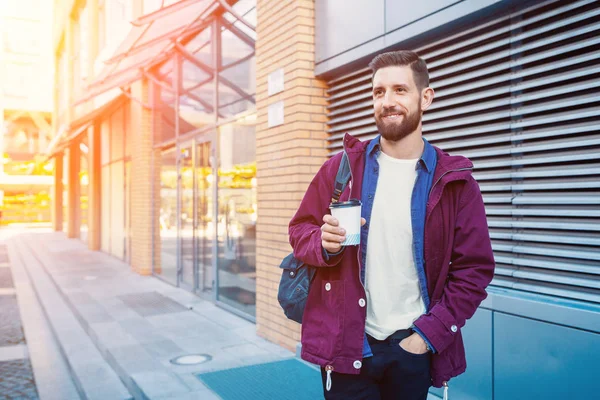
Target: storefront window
x,y
84,186
237,81
164,127
167,219
65,180
197,98
237,214
208,192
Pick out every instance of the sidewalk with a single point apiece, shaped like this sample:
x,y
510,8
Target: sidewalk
x,y
119,331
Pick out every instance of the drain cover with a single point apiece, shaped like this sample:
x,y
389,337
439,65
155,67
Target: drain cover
x,y
191,359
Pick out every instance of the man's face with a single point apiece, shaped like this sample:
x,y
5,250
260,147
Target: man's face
x,y
397,102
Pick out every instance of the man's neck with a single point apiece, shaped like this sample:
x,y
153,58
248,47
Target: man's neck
x,y
409,147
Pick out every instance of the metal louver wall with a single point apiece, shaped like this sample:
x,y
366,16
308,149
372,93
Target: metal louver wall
x,y
519,96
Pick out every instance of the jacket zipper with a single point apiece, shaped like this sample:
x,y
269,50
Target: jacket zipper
x,y
446,173
445,385
358,258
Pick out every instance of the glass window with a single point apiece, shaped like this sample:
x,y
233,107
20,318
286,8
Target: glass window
x,y
65,180
117,132
165,262
164,127
237,83
117,215
84,189
105,142
106,209
127,130
200,47
196,101
237,215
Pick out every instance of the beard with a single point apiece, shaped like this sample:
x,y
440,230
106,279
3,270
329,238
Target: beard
x,y
395,132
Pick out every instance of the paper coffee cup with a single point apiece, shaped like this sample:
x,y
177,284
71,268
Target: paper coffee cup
x,y
348,215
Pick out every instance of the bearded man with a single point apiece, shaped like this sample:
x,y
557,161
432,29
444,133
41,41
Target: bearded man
x,y
384,319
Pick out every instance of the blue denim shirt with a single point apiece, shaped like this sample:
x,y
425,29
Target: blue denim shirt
x,y
425,170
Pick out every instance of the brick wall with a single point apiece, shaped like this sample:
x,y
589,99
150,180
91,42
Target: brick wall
x,y
289,155
143,193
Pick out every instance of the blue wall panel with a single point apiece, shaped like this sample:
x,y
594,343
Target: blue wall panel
x,y
476,382
400,13
343,25
537,360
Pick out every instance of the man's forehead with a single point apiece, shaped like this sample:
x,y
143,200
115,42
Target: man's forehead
x,y
396,75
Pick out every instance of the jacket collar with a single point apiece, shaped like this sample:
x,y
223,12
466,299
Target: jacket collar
x,y
427,160
445,162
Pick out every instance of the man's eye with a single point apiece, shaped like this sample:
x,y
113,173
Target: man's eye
x,y
400,90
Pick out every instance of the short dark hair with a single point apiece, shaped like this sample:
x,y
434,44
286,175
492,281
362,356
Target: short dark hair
x,y
403,58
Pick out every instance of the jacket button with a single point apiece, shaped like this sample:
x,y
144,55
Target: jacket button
x,y
292,273
328,286
357,364
453,328
362,302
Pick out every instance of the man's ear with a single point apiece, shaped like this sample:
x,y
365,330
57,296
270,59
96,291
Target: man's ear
x,y
427,96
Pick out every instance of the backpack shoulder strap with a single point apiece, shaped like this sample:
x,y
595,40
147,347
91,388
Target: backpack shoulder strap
x,y
342,178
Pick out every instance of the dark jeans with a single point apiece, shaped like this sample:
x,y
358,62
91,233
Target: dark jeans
x,y
391,374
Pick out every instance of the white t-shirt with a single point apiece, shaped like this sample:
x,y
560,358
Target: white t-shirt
x,y
394,298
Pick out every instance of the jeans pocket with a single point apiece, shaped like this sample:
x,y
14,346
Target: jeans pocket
x,y
396,343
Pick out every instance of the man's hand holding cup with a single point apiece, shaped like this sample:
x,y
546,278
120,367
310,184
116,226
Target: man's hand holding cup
x,y
332,235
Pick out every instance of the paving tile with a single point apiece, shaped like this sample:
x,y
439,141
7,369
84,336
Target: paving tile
x,y
206,343
142,330
245,350
110,334
159,384
93,313
163,349
205,394
133,359
192,382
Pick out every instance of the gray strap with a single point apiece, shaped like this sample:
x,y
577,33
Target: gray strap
x,y
342,178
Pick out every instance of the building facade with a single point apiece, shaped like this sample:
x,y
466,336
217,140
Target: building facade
x,y
25,110
205,121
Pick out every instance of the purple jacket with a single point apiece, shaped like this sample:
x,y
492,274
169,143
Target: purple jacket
x,y
458,258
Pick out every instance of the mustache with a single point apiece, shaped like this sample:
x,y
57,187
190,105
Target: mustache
x,y
390,112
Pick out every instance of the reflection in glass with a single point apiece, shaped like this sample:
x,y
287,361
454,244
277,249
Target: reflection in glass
x,y
200,47
237,85
84,186
164,129
205,216
167,219
65,196
237,215
196,102
186,218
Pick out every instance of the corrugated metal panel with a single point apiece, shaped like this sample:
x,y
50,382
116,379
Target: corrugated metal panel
x,y
519,95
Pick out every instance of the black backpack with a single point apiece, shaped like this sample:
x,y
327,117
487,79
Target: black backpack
x,y
296,276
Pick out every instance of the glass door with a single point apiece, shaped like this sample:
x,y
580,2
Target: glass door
x,y
186,217
205,215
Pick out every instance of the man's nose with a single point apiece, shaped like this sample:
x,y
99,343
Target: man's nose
x,y
388,100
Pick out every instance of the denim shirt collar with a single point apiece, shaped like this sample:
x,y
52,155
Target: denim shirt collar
x,y
427,160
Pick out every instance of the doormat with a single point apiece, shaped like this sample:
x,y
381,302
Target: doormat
x,y
282,380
